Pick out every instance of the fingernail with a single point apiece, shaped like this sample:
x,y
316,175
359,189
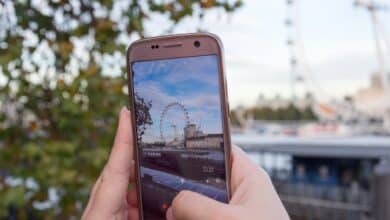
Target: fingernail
x,y
124,108
169,214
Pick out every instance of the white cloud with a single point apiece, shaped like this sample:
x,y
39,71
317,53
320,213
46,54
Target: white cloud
x,y
337,36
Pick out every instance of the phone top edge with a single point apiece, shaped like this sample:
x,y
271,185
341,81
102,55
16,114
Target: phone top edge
x,y
175,36
139,50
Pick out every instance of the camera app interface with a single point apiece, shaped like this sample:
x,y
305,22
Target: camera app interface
x,y
179,130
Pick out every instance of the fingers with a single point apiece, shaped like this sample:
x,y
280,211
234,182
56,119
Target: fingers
x,y
110,195
252,188
133,214
189,205
121,157
132,199
242,167
92,196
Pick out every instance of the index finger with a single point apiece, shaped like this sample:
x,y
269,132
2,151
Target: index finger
x,y
112,188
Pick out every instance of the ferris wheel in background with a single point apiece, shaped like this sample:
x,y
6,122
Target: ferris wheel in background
x,y
163,119
301,74
381,38
299,69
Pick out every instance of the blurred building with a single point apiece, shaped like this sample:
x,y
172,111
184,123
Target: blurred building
x,y
205,141
369,106
195,138
373,100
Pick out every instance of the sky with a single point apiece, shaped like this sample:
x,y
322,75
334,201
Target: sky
x,y
337,38
192,82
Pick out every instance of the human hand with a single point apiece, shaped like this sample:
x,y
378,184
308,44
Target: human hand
x,y
253,194
253,197
110,197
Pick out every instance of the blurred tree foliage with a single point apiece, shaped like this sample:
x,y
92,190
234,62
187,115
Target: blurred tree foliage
x,y
62,83
288,113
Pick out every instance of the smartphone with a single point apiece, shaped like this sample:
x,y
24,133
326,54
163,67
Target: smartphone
x,y
179,104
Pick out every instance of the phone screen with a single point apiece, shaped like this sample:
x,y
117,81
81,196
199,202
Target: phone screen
x,y
179,130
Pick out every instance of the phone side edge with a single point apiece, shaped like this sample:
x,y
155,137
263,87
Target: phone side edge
x,y
225,111
133,121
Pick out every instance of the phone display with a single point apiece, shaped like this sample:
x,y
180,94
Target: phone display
x,y
179,130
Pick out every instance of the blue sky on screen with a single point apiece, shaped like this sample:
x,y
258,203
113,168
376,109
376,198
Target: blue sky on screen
x,y
191,81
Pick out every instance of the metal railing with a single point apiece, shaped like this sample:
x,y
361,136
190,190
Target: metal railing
x,y
308,201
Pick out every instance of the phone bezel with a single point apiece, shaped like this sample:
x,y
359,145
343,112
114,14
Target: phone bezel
x,y
180,46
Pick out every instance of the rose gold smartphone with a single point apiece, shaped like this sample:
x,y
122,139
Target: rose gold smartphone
x,y
180,111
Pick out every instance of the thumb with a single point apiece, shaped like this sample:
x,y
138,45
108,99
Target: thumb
x,y
189,205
